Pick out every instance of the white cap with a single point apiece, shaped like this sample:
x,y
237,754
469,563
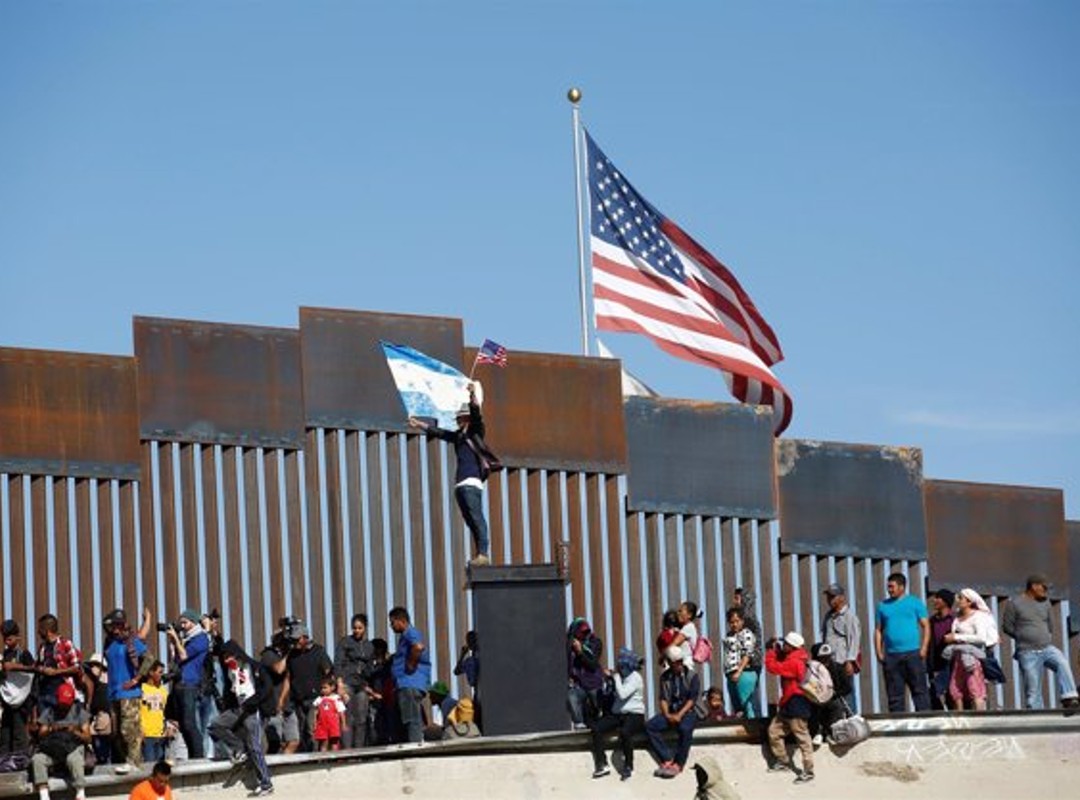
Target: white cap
x,y
673,653
794,639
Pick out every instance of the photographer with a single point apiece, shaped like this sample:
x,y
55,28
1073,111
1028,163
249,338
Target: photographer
x,y
189,648
282,729
307,664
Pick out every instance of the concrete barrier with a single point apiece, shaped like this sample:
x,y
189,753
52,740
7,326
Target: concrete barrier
x,y
1016,755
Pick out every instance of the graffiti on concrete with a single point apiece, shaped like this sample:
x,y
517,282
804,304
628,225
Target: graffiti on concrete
x,y
943,750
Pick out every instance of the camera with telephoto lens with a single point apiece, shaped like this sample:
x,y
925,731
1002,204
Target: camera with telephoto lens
x,y
164,627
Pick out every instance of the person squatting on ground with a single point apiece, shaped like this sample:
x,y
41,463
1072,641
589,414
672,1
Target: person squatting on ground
x,y
442,703
739,647
627,714
974,631
584,674
474,462
62,731
787,659
411,670
238,728
679,690
1026,619
901,640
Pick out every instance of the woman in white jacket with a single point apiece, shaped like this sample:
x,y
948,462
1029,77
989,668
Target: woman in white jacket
x,y
974,629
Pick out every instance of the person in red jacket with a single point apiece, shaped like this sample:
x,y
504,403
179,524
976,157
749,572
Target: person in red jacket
x,y
787,659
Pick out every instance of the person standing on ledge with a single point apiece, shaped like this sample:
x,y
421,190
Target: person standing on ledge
x,y
474,463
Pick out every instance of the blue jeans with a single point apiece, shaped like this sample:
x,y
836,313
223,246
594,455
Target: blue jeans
x,y
906,670
187,702
584,705
655,728
471,502
1032,664
207,712
153,749
409,709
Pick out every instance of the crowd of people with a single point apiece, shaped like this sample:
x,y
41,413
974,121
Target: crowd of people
x,y
206,697
942,658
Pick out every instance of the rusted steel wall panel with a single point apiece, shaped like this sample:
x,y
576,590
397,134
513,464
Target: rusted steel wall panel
x,y
555,411
1072,534
346,381
991,536
724,455
68,414
219,384
849,499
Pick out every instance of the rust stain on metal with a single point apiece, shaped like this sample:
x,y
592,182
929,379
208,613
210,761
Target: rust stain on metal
x,y
219,383
838,498
991,536
555,411
68,414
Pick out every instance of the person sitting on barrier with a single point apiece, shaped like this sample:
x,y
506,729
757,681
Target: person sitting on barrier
x,y
627,714
738,653
787,659
441,704
823,716
938,669
1026,619
63,731
584,675
679,691
710,707
974,629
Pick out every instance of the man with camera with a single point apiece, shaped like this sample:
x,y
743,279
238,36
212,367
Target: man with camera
x,y
189,647
282,729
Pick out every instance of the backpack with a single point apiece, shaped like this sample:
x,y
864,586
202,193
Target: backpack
x,y
817,683
702,652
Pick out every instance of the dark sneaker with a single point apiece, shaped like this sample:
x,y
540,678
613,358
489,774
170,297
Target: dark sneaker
x,y
780,766
625,774
804,777
600,772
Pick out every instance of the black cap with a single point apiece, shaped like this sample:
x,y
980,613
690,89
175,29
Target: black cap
x,y
9,628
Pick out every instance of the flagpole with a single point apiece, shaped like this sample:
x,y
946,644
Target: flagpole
x,y
574,96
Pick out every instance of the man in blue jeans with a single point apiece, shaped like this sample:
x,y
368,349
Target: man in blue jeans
x,y
1027,620
411,668
901,639
679,690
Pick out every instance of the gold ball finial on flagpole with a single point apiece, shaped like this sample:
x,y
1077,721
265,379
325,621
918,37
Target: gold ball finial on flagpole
x,y
574,95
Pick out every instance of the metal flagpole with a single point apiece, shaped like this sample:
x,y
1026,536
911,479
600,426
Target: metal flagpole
x,y
574,96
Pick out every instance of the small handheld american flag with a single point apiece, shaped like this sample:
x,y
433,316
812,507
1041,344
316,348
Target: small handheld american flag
x,y
491,353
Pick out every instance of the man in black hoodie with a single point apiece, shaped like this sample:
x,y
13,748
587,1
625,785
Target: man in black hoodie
x,y
238,728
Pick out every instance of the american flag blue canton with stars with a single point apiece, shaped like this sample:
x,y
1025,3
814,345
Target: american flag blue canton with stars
x,y
623,218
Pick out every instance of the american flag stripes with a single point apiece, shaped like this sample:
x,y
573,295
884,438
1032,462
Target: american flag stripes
x,y
650,277
491,353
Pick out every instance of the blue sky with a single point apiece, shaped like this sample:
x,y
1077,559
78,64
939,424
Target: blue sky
x,y
897,185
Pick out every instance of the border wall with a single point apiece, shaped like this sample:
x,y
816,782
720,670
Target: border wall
x,y
267,471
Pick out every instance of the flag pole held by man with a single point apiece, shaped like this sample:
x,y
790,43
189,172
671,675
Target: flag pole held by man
x,y
650,277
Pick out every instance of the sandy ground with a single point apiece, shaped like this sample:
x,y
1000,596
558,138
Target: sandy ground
x,y
985,767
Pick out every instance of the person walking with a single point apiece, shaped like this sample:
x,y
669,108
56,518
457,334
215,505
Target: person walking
x,y
901,639
1026,619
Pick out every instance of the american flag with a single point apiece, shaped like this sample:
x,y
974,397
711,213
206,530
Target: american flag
x,y
650,277
491,353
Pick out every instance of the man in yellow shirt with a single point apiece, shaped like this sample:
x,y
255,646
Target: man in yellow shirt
x,y
156,787
152,714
